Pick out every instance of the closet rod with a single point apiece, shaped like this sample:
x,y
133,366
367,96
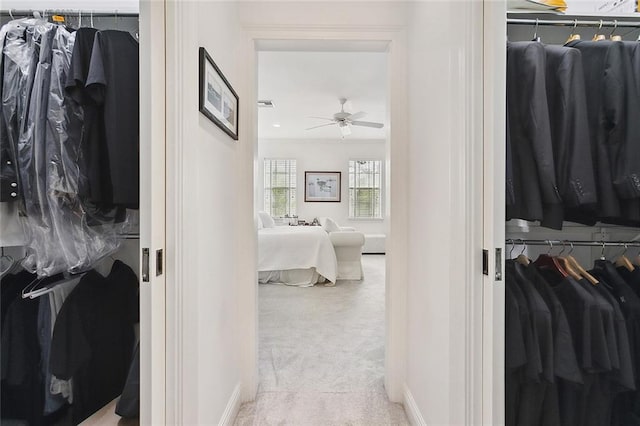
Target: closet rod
x,y
572,22
85,13
520,241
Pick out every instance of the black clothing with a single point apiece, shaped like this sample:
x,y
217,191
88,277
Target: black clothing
x,y
113,83
93,183
8,173
533,393
515,355
590,345
569,133
93,338
22,390
612,107
530,133
626,408
129,403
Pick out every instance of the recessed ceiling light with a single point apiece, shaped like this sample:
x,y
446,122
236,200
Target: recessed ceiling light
x,y
276,124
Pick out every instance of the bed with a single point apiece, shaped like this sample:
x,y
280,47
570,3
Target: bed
x,y
296,255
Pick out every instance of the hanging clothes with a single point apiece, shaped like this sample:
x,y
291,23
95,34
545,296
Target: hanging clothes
x,y
43,130
93,338
592,133
530,133
595,343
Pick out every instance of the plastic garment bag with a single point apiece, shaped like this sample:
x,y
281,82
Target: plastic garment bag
x,y
64,234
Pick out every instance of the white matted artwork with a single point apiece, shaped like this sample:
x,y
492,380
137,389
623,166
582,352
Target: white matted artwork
x,y
218,101
322,186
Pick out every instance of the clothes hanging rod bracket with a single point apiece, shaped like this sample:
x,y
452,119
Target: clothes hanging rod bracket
x,y
574,22
520,241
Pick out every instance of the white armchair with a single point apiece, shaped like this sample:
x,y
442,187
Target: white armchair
x,y
348,243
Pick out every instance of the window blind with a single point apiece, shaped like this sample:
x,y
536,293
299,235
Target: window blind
x,y
280,187
365,189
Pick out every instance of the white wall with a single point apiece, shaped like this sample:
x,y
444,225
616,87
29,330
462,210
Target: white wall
x,y
442,66
323,155
214,239
203,204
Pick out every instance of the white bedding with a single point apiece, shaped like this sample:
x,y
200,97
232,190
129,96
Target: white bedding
x,y
285,248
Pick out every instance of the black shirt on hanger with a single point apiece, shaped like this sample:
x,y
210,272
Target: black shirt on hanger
x,y
113,83
534,393
94,178
515,355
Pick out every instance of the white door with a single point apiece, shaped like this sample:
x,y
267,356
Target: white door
x,y
494,210
152,213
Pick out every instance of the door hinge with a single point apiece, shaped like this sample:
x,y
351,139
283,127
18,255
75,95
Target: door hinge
x,y
145,265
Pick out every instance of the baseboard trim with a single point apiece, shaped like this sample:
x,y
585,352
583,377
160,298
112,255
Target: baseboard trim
x,y
233,406
411,408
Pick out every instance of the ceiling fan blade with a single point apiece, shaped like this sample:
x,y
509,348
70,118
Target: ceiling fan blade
x,y
357,115
367,124
322,125
321,118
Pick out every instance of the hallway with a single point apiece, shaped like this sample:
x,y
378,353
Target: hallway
x,y
321,355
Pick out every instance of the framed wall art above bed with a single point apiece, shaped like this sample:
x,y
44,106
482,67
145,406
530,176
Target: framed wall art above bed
x,y
322,187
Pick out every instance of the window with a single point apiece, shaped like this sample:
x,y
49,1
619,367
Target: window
x,y
280,187
365,183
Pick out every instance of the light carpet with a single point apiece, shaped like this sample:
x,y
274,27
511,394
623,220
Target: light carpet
x,y
321,355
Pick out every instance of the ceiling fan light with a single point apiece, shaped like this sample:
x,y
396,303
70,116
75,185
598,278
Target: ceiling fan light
x,y
344,129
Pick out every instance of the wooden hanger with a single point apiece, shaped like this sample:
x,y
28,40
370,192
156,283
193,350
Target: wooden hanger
x,y
615,37
522,259
579,269
566,265
623,261
546,261
597,36
573,36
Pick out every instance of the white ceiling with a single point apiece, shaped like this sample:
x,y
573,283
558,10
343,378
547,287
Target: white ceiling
x,y
303,84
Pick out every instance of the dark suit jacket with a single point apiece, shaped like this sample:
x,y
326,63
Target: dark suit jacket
x,y
530,133
569,133
612,108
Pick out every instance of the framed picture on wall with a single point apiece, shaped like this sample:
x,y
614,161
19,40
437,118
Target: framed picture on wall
x,y
322,187
218,101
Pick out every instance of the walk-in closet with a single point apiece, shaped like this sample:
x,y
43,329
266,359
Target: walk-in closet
x,y
72,267
572,249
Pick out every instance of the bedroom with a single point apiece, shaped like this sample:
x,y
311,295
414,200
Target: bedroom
x,y
333,351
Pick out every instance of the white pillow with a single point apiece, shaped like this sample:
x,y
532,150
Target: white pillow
x,y
330,226
267,220
260,223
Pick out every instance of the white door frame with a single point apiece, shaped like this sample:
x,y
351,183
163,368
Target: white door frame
x,y
396,204
493,401
152,210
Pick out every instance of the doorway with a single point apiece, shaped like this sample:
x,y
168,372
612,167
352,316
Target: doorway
x,y
395,209
322,117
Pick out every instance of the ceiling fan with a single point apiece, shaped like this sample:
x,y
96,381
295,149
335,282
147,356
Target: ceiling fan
x,y
345,120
